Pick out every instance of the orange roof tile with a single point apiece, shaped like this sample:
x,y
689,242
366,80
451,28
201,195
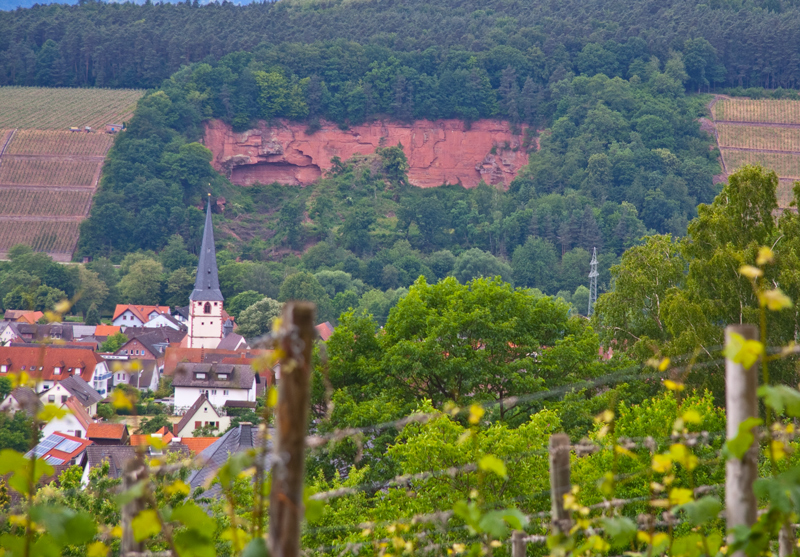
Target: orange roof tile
x,y
65,456
47,357
166,437
106,330
175,355
31,317
198,444
106,431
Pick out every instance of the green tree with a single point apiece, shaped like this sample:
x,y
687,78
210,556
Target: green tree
x,y
236,305
304,286
15,432
142,284
92,291
179,286
476,341
257,319
151,425
533,264
92,315
475,263
113,343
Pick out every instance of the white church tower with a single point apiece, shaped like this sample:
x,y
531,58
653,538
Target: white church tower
x,y
205,303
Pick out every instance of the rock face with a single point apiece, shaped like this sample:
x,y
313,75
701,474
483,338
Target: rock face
x,y
440,152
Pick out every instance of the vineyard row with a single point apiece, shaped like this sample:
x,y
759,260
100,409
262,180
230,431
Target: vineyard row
x,y
758,110
51,237
15,171
58,142
61,108
41,202
751,137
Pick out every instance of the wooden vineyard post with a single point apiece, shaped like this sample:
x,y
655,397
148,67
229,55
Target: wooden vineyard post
x,y
291,421
134,472
559,481
741,403
518,544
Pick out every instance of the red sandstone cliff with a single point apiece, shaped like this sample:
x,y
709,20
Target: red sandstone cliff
x,y
438,152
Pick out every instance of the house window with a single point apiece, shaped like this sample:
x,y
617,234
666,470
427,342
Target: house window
x,y
78,433
205,409
225,392
213,391
207,308
57,371
222,376
215,304
200,376
198,425
78,370
3,368
51,398
64,399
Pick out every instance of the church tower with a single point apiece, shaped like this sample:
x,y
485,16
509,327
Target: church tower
x,y
205,303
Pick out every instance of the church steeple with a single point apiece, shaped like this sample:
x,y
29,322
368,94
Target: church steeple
x,y
206,285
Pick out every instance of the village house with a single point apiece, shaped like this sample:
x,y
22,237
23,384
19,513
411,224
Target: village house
x,y
143,376
22,398
200,414
219,382
75,422
164,320
48,364
129,315
69,387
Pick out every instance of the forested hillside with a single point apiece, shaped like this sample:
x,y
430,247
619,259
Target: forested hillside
x,y
125,45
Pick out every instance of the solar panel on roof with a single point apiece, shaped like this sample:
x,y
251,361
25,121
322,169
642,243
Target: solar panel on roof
x,y
68,445
53,460
48,443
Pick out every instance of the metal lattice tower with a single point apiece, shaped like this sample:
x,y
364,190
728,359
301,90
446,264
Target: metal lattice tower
x,y
593,274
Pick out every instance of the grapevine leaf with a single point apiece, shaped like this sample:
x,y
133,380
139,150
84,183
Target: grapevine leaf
x,y
780,398
619,529
740,444
742,351
256,548
145,525
703,510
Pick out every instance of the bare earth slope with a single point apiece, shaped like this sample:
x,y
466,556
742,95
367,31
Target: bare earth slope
x,y
439,152
48,174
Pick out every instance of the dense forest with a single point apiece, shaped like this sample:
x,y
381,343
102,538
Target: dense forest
x,y
746,43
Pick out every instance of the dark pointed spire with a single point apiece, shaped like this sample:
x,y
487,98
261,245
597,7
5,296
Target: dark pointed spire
x,y
206,285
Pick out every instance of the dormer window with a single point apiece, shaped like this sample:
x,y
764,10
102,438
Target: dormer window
x,y
3,368
199,375
222,376
78,370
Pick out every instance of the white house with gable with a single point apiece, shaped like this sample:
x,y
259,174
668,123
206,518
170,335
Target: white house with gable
x,y
219,382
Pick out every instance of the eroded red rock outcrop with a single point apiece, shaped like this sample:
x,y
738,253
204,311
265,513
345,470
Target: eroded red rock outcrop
x,y
439,152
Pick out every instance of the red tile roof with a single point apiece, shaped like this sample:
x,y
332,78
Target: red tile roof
x,y
141,312
325,330
30,317
77,409
198,444
62,455
166,437
106,330
106,431
175,355
48,357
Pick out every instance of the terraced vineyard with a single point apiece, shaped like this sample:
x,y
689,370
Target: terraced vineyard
x,y
58,142
43,202
44,108
47,173
759,131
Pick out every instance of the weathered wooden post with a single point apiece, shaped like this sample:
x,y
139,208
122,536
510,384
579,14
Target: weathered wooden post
x,y
134,472
787,544
559,481
741,403
518,544
291,421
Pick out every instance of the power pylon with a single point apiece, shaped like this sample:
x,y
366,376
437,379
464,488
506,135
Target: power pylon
x,y
593,274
